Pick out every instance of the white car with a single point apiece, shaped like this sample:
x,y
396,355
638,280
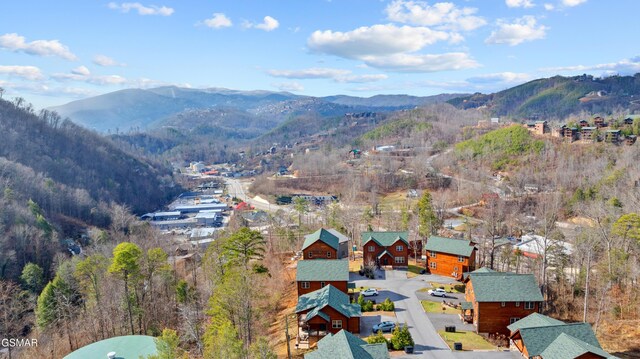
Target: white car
x,y
369,292
438,292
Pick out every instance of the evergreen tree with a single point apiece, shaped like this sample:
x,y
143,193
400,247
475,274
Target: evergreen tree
x,y
126,265
33,277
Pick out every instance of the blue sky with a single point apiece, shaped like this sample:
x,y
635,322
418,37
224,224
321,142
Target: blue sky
x,y
53,52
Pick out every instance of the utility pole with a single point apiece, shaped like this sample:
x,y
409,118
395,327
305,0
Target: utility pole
x,y
286,333
586,289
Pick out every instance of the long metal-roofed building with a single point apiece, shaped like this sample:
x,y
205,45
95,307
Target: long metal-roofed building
x,y
125,347
201,207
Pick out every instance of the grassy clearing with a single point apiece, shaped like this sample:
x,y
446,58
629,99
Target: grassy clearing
x,y
354,266
450,288
436,307
413,270
469,340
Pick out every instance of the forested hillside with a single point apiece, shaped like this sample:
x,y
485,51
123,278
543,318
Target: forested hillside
x,y
558,96
56,177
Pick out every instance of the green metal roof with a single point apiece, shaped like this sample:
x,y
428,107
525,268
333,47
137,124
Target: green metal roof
x,y
384,253
345,345
465,275
505,287
328,296
126,347
567,347
458,247
341,237
385,239
323,270
466,305
534,320
323,235
316,312
539,338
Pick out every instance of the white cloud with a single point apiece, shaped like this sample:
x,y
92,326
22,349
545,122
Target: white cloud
x,y
81,70
337,75
521,30
106,61
360,79
289,86
142,9
376,40
572,3
549,7
268,24
83,74
519,3
312,73
17,43
623,67
218,21
25,72
422,63
443,15
501,77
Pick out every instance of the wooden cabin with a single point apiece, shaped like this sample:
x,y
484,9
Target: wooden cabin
x,y
325,244
450,257
316,274
386,249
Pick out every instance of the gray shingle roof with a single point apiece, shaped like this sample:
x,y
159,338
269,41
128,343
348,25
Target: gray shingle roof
x,y
329,296
458,247
567,347
534,320
537,339
385,239
323,270
345,345
323,235
505,287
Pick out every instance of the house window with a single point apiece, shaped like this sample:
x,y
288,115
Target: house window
x,y
372,248
433,265
399,260
503,304
328,254
455,269
336,324
304,285
310,254
529,305
461,259
433,254
517,304
322,284
513,320
399,248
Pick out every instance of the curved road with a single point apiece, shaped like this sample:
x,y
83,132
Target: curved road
x,y
395,285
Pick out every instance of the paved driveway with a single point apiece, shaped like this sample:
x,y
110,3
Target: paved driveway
x,y
368,321
395,285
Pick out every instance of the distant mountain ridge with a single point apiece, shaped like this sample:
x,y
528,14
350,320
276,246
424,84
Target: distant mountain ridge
x,y
163,106
559,97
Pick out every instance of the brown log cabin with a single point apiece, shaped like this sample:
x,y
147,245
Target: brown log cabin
x,y
386,249
325,244
495,300
316,274
450,257
327,310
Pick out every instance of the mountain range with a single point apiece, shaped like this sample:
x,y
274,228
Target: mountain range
x,y
218,108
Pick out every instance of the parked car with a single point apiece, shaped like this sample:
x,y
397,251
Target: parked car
x,y
387,326
438,292
369,292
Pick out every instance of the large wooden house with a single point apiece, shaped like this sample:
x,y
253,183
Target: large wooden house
x,y
316,274
327,310
386,248
539,336
325,244
495,300
450,257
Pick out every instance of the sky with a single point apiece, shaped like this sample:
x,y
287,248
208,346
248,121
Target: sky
x,y
54,52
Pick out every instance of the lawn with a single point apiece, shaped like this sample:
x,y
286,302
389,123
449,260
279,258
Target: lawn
x,y
413,270
450,288
436,307
469,340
